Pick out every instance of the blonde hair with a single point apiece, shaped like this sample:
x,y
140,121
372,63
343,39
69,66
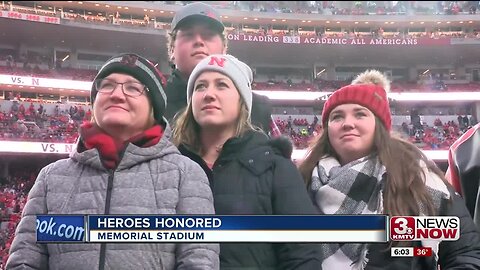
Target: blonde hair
x,y
187,131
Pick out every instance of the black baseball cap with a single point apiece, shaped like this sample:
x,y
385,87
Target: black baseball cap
x,y
197,11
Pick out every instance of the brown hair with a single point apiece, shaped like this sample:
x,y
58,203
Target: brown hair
x,y
187,131
405,191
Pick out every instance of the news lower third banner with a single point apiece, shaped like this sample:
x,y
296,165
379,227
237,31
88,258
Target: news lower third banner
x,y
211,229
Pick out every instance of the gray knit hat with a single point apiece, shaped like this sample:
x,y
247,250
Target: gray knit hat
x,y
141,69
239,72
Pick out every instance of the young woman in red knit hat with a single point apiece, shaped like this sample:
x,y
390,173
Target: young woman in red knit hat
x,y
357,167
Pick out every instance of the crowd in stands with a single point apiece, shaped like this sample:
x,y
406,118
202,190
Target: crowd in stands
x,y
29,121
330,7
397,86
300,131
41,66
355,7
9,65
13,196
440,136
33,123
376,33
36,67
305,7
88,16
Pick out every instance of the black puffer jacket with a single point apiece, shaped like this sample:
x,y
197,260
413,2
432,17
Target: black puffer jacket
x,y
253,176
176,91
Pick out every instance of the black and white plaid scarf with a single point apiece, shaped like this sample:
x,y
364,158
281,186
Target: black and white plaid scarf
x,y
354,189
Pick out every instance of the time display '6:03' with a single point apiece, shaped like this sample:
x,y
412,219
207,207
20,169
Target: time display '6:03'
x,y
401,252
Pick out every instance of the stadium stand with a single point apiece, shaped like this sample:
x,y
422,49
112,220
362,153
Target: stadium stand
x,y
29,114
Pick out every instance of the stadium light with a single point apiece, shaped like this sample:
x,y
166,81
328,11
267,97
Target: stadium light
x,y
401,97
292,95
65,148
444,96
320,72
280,94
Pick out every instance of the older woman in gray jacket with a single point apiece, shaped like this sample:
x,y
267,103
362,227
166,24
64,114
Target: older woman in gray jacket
x,y
124,163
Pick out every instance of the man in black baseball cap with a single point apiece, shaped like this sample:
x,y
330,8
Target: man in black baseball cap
x,y
196,32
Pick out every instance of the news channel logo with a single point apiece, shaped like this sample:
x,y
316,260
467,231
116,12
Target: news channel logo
x,y
410,228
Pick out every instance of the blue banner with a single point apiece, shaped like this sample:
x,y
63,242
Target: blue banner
x,y
61,228
217,222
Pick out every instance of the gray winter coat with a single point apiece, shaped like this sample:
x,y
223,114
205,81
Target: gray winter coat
x,y
154,180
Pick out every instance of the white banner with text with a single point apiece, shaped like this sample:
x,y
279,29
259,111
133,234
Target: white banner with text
x,y
44,82
36,147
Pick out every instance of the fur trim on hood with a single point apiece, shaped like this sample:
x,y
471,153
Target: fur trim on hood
x,y
283,145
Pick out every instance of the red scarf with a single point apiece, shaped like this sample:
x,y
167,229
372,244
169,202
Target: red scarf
x,y
109,148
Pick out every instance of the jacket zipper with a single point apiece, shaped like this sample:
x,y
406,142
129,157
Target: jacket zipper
x,y
103,247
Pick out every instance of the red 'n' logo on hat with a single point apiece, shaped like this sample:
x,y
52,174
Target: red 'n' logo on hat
x,y
129,60
218,61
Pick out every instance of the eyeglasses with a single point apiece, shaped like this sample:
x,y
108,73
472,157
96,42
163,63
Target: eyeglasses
x,y
131,89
